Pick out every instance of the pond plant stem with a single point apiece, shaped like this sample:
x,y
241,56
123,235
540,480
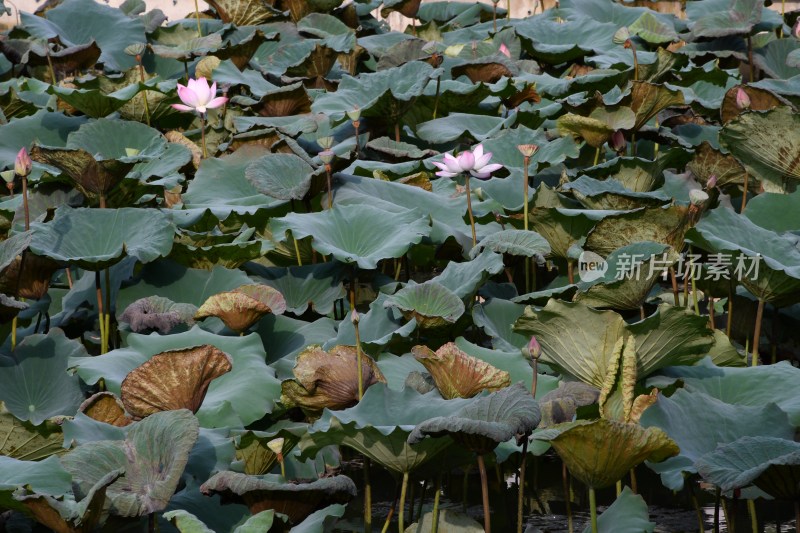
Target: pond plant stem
x,y
435,514
469,210
593,509
197,16
567,495
716,510
744,191
401,510
487,520
757,332
367,496
675,292
203,132
698,512
521,491
144,93
25,203
100,314
296,249
751,509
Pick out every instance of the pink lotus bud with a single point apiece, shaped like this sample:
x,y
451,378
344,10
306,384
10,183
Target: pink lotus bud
x,y
534,349
505,51
712,182
618,142
22,164
742,99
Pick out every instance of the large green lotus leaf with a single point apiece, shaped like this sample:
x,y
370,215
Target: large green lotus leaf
x,y
559,42
386,94
186,522
109,138
698,423
112,29
221,186
44,127
764,142
98,238
709,161
379,425
628,514
317,285
362,236
777,278
580,340
610,194
774,212
653,29
26,442
662,225
243,395
485,422
740,386
322,521
432,305
514,242
296,500
94,102
281,176
564,227
732,18
458,125
379,326
44,477
252,447
496,317
182,43
600,452
465,278
153,456
34,383
771,464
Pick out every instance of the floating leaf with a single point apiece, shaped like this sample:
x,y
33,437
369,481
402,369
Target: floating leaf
x,y
432,305
282,176
458,375
514,242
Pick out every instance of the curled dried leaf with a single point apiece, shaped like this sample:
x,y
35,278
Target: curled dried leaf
x,y
106,407
459,375
244,306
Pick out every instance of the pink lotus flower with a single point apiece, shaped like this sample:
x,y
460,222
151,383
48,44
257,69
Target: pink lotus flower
x,y
475,162
505,51
198,96
22,164
742,99
482,169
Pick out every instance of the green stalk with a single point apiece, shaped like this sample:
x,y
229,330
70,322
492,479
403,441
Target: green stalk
x,y
508,7
203,131
296,249
696,503
436,99
567,495
521,492
596,156
757,332
367,496
435,517
14,333
494,17
401,512
197,16
526,161
593,509
25,203
99,291
471,217
144,93
487,520
751,508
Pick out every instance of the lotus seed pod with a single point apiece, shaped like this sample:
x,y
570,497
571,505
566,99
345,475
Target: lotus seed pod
x,y
355,114
135,49
205,67
8,176
698,197
528,150
622,36
326,142
276,446
326,156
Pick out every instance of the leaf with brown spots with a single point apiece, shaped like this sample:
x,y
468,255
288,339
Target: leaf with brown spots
x,y
458,375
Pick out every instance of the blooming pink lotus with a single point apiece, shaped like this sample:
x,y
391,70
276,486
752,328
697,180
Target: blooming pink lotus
x,y
475,162
198,96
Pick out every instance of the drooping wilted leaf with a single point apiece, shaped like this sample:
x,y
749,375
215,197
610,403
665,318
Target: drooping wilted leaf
x,y
244,12
295,500
709,161
107,408
153,456
26,442
760,100
560,405
458,375
431,304
243,306
649,99
738,18
157,313
173,380
328,379
666,225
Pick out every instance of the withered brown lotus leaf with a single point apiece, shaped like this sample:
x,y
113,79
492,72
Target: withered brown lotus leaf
x,y
290,100
106,407
89,176
760,100
708,161
173,380
459,375
328,379
28,276
483,71
156,313
244,306
244,12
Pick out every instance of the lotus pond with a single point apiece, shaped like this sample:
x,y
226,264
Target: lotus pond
x,y
278,267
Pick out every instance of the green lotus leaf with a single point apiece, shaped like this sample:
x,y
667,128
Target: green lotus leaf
x,y
145,234
649,99
449,520
496,317
699,423
156,313
34,383
295,500
388,93
173,380
430,304
580,340
153,456
243,306
328,379
610,194
379,426
186,522
94,102
316,285
458,375
740,386
770,463
709,161
241,396
739,17
761,141
559,42
514,242
362,236
398,150
109,27
68,514
281,176
774,211
457,125
44,477
777,278
379,326
182,43
664,225
465,278
485,422
112,139
653,29
66,60
321,521
252,447
600,452
562,228
628,514
26,442
43,127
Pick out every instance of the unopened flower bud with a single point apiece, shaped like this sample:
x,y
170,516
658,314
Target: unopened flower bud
x,y
618,142
22,164
712,182
504,50
528,150
742,99
533,350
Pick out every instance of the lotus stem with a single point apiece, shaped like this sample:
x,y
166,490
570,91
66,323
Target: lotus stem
x,y
751,509
151,523
422,499
525,162
694,297
389,515
596,156
634,484
282,463
397,131
356,126
494,17
330,186
108,309
655,149
641,312
675,293
535,379
757,332
521,492
729,324
570,271
197,16
401,511
744,193
696,503
783,17
359,364
144,93
367,496
716,510
435,516
469,210
436,98
750,59
593,509
567,495
53,79
25,203
508,8
635,62
99,291
619,487
203,130
13,334
296,249
464,491
487,522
